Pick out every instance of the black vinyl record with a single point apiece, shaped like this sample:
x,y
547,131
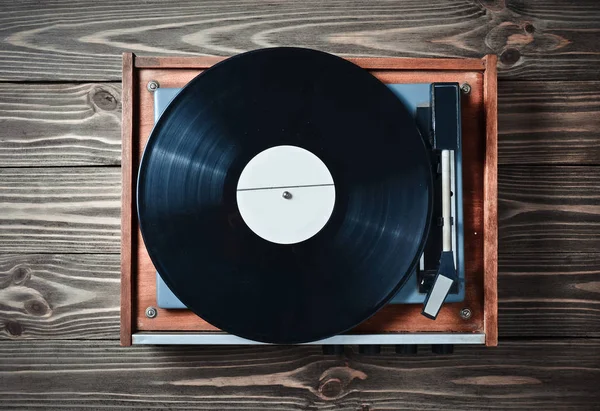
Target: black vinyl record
x,y
215,264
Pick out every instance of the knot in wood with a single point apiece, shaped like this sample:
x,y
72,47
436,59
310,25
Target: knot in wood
x,y
15,329
20,275
37,307
331,388
510,56
529,28
104,100
333,383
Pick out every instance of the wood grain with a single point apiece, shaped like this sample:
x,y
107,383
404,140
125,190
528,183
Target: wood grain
x,y
548,122
524,375
549,262
540,122
549,209
59,296
127,197
540,295
60,124
83,40
369,63
59,210
549,295
490,201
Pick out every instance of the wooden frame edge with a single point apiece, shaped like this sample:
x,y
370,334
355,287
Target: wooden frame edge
x,y
200,62
402,63
368,63
486,66
490,202
127,200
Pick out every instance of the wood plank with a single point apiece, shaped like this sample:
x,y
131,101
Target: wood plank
x,y
60,210
75,295
60,124
64,40
77,209
128,203
370,63
540,122
490,201
516,375
50,296
549,295
59,296
549,209
548,122
56,210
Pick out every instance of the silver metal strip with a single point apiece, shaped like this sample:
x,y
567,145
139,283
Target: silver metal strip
x,y
453,206
214,338
446,201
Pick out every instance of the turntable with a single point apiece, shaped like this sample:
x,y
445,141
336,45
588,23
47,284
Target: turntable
x,y
289,196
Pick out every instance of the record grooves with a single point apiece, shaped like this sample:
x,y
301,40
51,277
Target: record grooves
x,y
201,245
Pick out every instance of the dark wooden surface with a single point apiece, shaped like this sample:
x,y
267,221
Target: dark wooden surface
x,y
60,209
524,375
60,124
60,119
548,122
82,40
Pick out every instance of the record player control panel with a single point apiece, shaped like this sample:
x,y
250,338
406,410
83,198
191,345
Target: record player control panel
x,y
286,207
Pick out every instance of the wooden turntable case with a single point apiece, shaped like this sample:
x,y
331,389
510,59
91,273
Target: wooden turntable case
x,y
479,136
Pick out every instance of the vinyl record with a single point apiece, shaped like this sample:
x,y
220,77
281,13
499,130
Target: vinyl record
x,y
298,285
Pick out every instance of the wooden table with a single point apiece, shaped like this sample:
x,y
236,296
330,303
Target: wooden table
x,y
60,113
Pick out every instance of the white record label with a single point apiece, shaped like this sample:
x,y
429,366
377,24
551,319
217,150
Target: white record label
x,y
286,194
